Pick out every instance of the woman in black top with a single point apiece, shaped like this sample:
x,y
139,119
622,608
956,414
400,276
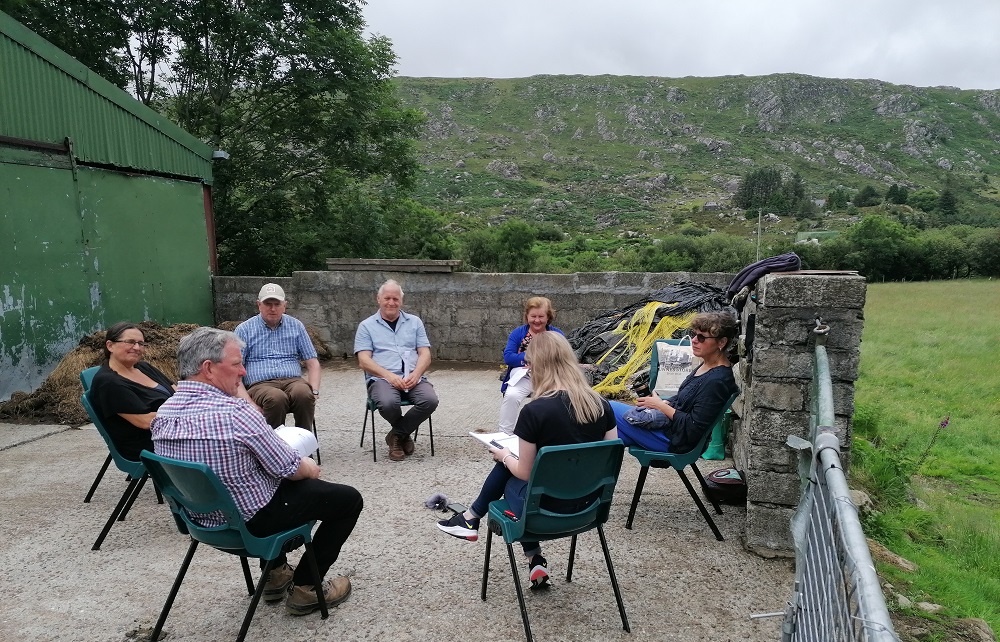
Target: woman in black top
x,y
565,410
127,392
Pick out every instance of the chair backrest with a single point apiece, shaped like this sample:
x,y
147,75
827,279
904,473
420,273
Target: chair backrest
x,y
192,487
87,377
127,466
572,472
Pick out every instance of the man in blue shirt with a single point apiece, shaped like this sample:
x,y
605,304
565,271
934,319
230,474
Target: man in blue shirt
x,y
393,350
276,347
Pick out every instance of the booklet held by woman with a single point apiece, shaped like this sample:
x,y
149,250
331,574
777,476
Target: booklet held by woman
x,y
498,439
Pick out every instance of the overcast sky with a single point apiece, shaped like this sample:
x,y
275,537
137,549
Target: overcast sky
x,y
913,42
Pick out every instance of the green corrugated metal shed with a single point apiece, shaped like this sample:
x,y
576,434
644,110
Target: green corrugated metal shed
x,y
45,93
105,210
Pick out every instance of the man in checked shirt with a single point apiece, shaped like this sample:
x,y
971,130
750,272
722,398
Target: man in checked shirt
x,y
273,486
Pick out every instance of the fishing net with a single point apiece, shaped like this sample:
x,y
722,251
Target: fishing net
x,y
619,343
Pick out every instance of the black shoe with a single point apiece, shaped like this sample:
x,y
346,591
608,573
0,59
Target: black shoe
x,y
460,527
538,572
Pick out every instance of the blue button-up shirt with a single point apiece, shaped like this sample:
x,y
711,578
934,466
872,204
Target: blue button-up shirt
x,y
274,353
396,351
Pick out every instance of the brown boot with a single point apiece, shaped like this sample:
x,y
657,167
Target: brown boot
x,y
395,446
278,581
406,442
302,600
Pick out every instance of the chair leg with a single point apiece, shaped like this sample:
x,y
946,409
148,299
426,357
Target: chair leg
x,y
639,483
486,560
133,497
374,444
614,579
430,431
316,435
114,514
520,593
701,506
310,557
173,591
97,480
364,427
246,574
701,480
572,556
255,599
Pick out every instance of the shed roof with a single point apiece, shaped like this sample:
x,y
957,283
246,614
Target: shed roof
x,y
46,95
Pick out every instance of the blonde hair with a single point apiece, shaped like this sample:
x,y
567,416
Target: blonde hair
x,y
540,302
554,368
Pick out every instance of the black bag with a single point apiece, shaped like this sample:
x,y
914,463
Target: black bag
x,y
726,485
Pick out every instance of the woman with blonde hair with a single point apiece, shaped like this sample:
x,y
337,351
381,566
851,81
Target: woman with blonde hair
x,y
564,410
516,387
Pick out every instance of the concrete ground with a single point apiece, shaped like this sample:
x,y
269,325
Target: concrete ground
x,y
411,581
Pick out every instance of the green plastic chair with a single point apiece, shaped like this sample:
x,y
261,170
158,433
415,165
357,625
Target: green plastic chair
x,y
572,472
134,469
370,409
194,487
87,378
679,461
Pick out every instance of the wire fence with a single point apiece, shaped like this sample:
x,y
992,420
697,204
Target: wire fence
x,y
836,595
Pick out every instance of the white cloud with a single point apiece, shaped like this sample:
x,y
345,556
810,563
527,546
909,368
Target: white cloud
x,y
916,42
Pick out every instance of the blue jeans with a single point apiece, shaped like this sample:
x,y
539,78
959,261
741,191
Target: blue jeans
x,y
501,483
633,435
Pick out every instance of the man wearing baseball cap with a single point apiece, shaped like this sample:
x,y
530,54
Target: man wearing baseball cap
x,y
276,347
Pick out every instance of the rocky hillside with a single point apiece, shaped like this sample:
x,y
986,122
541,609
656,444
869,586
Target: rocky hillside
x,y
616,156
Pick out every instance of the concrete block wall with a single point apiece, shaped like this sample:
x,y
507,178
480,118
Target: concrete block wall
x,y
467,315
777,390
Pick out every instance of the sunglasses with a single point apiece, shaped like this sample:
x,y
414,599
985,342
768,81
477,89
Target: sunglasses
x,y
701,338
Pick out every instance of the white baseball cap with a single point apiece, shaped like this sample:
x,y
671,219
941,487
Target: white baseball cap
x,y
271,291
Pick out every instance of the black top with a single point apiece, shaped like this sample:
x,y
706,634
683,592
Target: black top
x,y
697,405
548,421
111,394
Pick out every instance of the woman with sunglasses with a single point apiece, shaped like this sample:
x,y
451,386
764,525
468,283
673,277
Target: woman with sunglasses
x,y
127,391
677,424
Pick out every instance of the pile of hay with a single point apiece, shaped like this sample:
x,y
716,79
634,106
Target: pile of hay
x,y
57,400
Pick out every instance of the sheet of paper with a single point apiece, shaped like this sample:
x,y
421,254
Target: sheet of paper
x,y
516,374
504,440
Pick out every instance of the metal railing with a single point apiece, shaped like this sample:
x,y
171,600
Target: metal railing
x,y
836,595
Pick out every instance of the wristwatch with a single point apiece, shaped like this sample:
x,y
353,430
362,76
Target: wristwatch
x,y
315,392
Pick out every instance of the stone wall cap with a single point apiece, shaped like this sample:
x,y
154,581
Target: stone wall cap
x,y
392,265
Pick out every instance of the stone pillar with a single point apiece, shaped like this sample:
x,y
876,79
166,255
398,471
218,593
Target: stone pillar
x,y
777,378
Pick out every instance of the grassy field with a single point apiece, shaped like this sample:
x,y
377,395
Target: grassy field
x,y
930,353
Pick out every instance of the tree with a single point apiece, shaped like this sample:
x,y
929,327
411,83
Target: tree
x,y
838,198
924,199
866,197
758,188
897,194
881,249
947,205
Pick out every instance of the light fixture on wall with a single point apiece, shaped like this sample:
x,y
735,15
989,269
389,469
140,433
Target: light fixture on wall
x,y
220,154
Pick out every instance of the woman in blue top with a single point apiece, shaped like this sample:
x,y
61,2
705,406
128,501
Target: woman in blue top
x,y
677,424
516,387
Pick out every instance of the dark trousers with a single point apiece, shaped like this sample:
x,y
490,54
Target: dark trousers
x,y
387,399
336,506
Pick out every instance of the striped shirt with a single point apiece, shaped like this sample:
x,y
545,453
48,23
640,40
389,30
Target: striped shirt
x,y
201,423
274,353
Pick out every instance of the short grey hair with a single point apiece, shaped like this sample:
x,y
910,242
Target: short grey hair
x,y
390,283
204,344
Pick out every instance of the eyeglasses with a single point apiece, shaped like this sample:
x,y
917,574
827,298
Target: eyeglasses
x,y
701,338
132,342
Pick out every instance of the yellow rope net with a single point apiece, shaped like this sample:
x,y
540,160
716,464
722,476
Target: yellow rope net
x,y
638,335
